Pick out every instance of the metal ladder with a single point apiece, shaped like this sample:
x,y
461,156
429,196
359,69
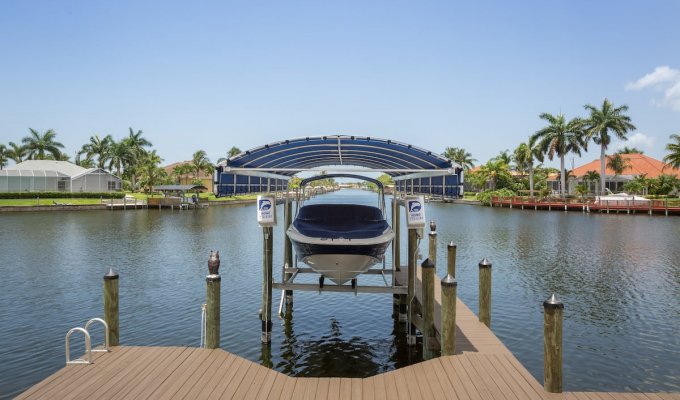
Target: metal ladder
x,y
88,342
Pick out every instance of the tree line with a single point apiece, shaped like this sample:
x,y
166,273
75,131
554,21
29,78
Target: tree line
x,y
132,158
560,137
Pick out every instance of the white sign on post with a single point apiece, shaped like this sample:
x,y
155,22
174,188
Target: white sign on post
x,y
415,211
266,211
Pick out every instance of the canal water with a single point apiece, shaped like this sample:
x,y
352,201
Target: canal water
x,y
618,275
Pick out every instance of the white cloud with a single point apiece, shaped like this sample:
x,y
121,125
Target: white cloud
x,y
665,79
639,140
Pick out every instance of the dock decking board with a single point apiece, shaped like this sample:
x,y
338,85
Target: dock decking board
x,y
483,368
190,373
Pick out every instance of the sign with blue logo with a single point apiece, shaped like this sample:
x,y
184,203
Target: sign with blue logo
x,y
266,210
415,211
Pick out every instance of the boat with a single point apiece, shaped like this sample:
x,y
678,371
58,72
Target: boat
x,y
622,199
340,241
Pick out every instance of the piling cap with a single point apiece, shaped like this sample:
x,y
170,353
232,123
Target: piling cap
x,y
111,275
553,302
450,245
433,226
427,264
484,263
449,281
214,263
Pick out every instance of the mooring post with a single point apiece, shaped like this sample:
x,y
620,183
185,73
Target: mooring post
x,y
448,334
451,259
288,246
212,301
485,292
432,236
266,314
428,309
412,251
396,222
111,306
552,344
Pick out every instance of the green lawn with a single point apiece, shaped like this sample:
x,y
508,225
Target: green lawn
x,y
46,202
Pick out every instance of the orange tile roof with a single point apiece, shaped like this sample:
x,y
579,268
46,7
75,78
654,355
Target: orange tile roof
x,y
638,164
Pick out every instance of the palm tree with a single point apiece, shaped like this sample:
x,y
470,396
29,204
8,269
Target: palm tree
x,y
201,162
618,164
99,147
504,156
493,170
672,159
601,124
560,138
151,173
460,157
120,156
630,150
16,152
524,157
591,176
234,151
182,169
138,145
3,156
39,144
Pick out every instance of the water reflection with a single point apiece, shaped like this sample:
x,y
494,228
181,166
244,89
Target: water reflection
x,y
618,275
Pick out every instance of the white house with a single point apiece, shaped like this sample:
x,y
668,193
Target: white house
x,y
56,176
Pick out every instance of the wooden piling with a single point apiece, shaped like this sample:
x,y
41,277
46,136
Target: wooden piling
x,y
428,309
212,301
485,292
396,226
448,333
412,249
266,314
288,246
451,259
111,306
432,242
552,344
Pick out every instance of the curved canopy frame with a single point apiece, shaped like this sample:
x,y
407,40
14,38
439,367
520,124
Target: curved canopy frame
x,y
289,157
269,167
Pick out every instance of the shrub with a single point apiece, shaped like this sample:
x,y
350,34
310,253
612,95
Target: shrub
x,y
485,196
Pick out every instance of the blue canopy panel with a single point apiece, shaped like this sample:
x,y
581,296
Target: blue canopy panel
x,y
288,157
448,185
232,184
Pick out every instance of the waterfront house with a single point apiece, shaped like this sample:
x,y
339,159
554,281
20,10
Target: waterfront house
x,y
636,165
56,176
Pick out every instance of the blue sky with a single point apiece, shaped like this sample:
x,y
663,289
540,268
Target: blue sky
x,y
211,75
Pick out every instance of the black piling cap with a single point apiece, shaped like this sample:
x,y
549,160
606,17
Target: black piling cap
x,y
450,281
484,263
111,275
427,264
553,303
433,226
451,245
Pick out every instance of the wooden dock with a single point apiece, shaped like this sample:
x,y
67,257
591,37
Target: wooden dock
x,y
483,368
660,207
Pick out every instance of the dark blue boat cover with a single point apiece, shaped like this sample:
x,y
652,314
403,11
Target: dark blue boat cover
x,y
334,221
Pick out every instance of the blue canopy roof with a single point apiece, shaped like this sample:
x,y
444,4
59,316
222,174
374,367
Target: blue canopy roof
x,y
289,157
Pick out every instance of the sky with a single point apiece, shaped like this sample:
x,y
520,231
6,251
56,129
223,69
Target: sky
x,y
212,75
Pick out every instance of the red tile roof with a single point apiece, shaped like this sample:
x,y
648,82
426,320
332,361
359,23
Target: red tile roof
x,y
638,164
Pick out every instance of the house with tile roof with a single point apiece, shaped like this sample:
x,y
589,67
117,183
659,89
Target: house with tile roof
x,y
636,165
